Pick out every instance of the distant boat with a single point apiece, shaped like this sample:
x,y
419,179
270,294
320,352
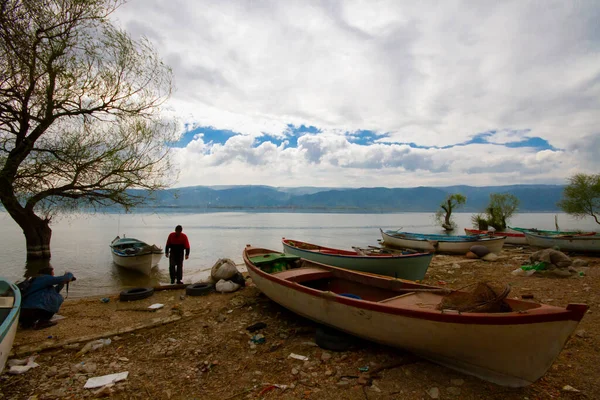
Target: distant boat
x,y
440,243
10,305
134,254
411,266
517,238
576,243
514,347
547,232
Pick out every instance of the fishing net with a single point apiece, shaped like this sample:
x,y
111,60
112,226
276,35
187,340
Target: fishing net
x,y
484,297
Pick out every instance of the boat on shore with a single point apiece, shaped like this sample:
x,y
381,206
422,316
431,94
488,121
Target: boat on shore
x,y
410,265
440,243
10,306
551,233
134,254
576,243
516,238
490,345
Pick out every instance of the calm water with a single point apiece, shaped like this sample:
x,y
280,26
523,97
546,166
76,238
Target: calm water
x,y
80,242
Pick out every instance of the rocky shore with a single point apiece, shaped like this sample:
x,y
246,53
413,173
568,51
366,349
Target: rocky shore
x,y
198,347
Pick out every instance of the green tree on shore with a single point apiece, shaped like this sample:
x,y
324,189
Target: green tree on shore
x,y
581,198
444,215
80,120
501,207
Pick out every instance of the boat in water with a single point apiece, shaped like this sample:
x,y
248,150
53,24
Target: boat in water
x,y
10,306
440,243
513,346
134,254
406,265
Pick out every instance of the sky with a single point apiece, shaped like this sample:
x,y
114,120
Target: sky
x,y
378,93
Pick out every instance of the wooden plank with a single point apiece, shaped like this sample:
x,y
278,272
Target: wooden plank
x,y
47,344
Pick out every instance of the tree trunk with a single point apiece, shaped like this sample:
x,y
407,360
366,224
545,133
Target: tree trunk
x,y
36,230
37,237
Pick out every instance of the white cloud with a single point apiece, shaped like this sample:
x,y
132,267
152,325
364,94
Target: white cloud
x,y
429,73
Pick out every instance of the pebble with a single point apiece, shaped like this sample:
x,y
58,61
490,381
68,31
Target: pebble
x,y
295,371
52,371
434,392
581,333
453,390
457,382
325,356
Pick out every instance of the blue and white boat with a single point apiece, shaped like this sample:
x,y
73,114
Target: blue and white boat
x,y
10,305
459,244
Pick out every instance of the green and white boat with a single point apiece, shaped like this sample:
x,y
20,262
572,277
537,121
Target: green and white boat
x,y
10,305
405,265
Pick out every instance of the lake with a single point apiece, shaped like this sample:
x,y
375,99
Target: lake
x,y
80,242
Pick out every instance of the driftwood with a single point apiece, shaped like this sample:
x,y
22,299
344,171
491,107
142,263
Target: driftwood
x,y
48,344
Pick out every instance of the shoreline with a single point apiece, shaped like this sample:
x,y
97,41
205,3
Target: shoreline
x,y
198,347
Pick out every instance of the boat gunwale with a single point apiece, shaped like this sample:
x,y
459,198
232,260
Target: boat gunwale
x,y
476,239
541,314
14,312
390,256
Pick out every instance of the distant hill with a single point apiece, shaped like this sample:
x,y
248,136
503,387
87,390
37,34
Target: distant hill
x,y
533,198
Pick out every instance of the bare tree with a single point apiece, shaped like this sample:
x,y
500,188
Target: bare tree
x,y
80,114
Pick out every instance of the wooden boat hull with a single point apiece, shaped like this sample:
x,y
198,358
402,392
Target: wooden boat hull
x,y
405,266
495,347
10,305
576,243
141,263
494,244
515,238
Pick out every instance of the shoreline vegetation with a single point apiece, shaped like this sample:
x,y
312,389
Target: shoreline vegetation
x,y
199,347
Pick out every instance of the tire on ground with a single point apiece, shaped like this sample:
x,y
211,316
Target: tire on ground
x,y
334,340
199,289
136,294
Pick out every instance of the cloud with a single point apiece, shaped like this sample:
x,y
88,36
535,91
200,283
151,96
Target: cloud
x,y
424,81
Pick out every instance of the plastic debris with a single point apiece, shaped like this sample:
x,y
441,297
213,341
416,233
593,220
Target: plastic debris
x,y
298,357
105,299
99,381
156,306
364,369
258,339
18,367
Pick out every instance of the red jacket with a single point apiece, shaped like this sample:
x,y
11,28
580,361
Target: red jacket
x,y
177,244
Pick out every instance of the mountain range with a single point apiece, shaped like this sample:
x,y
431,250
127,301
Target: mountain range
x,y
533,198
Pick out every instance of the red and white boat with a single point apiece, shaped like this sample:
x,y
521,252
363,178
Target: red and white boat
x,y
513,348
516,238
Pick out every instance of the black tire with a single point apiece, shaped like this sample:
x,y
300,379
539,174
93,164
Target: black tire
x,y
199,289
334,340
136,294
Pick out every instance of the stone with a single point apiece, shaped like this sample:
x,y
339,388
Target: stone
x,y
457,382
581,333
434,393
490,257
325,356
52,371
295,371
471,255
578,263
479,250
453,390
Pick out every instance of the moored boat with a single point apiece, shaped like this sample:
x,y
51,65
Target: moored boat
x,y
10,305
576,243
134,254
491,345
551,233
440,243
516,238
411,265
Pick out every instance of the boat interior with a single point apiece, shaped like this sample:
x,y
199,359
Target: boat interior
x,y
7,300
373,288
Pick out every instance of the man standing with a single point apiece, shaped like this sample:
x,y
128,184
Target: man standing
x,y
177,245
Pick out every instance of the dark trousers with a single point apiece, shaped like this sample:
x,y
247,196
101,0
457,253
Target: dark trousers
x,y
176,267
29,316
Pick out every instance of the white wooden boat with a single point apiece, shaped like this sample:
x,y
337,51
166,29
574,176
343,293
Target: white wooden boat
x,y
441,243
408,265
10,305
134,254
512,348
576,243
